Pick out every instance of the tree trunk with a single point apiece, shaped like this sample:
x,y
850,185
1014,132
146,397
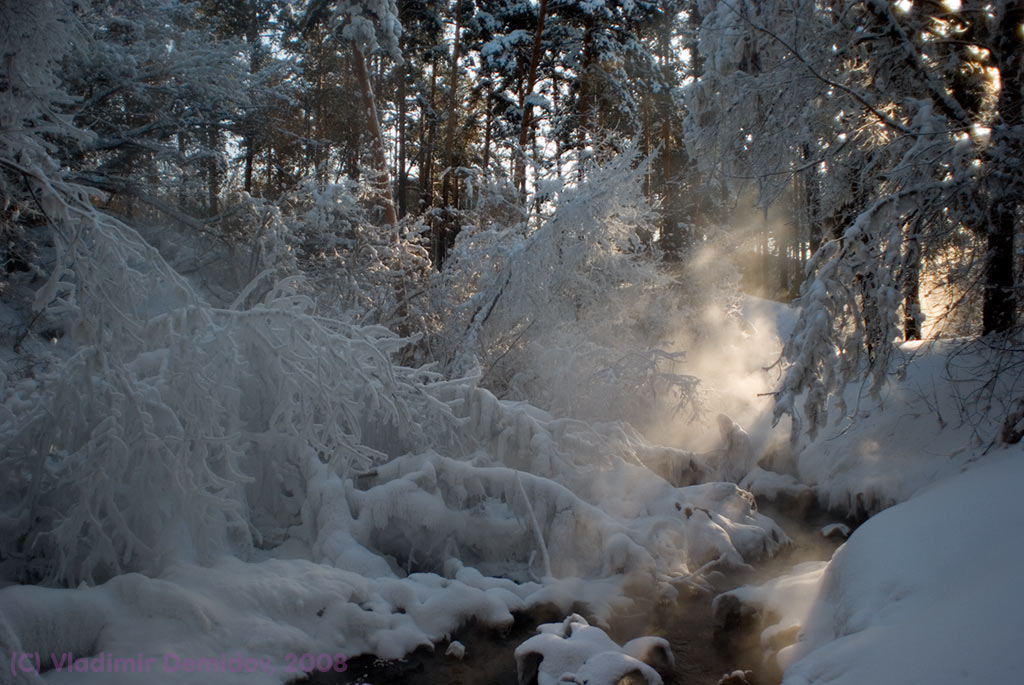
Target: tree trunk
x,y
252,38
248,164
402,169
811,202
380,161
513,159
383,182
319,123
584,114
997,311
672,240
453,84
446,228
533,153
556,107
421,155
183,155
646,138
487,139
212,170
427,182
912,300
527,105
1006,188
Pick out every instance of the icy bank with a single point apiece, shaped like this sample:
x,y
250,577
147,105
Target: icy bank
x,y
927,591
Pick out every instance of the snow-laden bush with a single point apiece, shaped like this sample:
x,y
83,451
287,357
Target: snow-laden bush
x,y
133,451
355,268
180,430
576,314
234,261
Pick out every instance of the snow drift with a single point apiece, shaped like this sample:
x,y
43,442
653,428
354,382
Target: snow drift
x,y
926,591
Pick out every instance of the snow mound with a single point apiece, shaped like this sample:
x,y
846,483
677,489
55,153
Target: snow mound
x,y
574,651
941,407
927,591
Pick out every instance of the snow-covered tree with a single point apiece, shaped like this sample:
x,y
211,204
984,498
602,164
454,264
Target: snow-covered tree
x,y
576,315
36,121
161,91
901,118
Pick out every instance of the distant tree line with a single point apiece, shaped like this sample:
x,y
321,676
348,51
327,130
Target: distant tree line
x,y
425,102
885,138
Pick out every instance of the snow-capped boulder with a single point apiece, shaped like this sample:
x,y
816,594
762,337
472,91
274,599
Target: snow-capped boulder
x,y
574,651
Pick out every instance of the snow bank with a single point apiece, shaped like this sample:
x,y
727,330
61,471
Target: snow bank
x,y
927,591
942,406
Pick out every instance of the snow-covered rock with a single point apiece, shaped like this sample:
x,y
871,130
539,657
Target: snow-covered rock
x,y
574,651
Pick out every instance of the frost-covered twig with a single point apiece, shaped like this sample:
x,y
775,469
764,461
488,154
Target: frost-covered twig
x,y
538,536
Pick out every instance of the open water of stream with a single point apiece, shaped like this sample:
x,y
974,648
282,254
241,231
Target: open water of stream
x,y
687,624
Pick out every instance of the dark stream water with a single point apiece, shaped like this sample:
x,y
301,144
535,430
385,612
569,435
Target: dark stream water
x,y
687,625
